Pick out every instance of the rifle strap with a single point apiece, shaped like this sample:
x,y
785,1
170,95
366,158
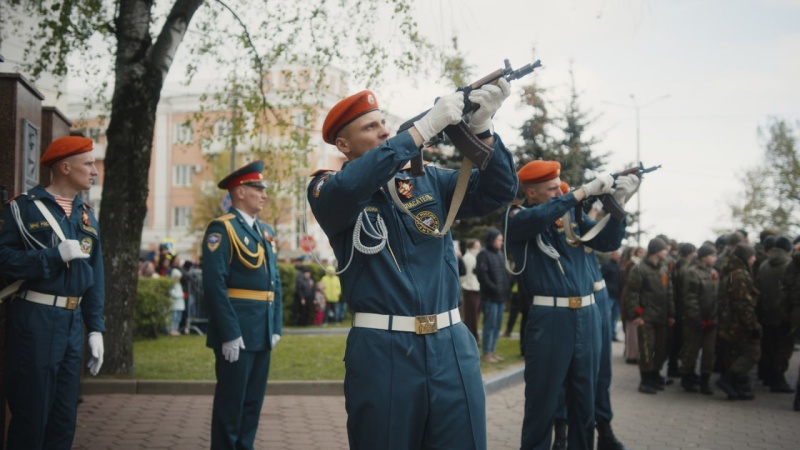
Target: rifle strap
x,y
571,235
458,197
478,152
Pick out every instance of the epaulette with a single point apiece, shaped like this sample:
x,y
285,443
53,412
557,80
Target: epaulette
x,y
408,165
321,171
14,198
225,217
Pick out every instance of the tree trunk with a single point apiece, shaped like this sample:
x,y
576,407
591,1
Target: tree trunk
x,y
140,69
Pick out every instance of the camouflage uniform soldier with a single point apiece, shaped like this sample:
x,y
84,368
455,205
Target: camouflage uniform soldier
x,y
738,323
790,283
649,300
777,342
700,286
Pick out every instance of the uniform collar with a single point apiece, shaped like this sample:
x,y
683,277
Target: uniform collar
x,y
246,217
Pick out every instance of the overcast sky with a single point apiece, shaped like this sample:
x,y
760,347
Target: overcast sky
x,y
726,67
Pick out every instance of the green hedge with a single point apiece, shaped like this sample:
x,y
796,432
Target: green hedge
x,y
152,306
288,274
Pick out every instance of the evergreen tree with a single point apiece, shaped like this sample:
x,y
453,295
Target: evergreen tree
x,y
771,190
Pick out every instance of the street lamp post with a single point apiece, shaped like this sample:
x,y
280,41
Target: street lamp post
x,y
637,107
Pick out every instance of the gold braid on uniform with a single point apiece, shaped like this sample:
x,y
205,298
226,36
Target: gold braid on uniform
x,y
240,248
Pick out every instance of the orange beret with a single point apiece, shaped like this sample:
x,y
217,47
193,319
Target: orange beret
x,y
539,171
65,146
564,187
345,112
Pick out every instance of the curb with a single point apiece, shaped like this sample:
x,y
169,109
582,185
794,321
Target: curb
x,y
508,377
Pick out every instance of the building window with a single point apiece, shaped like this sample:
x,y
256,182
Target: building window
x,y
223,127
182,216
299,119
184,133
182,175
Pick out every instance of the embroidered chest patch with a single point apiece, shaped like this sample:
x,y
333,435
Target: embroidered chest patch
x,y
405,188
430,221
86,245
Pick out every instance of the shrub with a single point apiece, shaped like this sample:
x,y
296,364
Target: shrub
x,y
152,306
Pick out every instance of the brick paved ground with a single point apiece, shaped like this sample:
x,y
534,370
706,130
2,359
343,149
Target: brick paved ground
x,y
670,420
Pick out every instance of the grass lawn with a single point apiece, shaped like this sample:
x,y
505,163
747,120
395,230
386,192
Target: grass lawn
x,y
297,357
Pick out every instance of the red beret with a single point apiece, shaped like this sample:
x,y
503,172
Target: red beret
x,y
345,112
539,171
65,146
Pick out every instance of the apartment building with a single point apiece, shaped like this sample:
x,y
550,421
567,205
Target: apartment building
x,y
180,171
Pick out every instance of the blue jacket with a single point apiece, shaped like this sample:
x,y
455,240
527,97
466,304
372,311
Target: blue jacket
x,y
227,267
44,269
416,273
542,275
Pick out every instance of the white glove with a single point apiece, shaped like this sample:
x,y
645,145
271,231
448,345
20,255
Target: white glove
x,y
490,97
626,186
600,185
230,349
275,339
71,249
96,349
447,111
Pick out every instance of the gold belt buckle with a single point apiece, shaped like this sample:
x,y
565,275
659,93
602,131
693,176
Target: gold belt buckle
x,y
575,302
72,303
425,324
270,296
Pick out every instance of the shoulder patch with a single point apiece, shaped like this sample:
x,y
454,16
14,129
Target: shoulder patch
x,y
213,240
319,182
14,198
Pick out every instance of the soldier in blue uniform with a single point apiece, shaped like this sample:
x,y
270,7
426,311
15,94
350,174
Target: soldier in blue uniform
x,y
562,348
413,376
243,292
50,246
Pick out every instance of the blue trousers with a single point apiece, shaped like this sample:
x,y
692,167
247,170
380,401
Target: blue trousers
x,y
602,402
411,392
45,347
562,353
492,321
238,398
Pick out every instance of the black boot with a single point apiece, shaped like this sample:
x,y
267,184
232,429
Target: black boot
x,y
744,387
646,386
726,383
689,383
605,437
797,399
780,385
657,381
560,435
704,387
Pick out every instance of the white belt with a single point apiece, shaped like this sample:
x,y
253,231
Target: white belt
x,y
413,324
599,285
564,302
50,299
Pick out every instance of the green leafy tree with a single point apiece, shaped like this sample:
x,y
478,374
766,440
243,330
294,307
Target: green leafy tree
x,y
771,191
138,42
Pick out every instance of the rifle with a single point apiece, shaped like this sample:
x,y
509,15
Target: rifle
x,y
464,140
609,202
